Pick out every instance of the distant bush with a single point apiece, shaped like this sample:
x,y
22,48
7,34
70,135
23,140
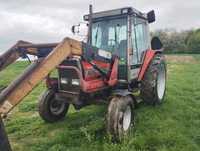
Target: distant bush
x,y
187,41
193,41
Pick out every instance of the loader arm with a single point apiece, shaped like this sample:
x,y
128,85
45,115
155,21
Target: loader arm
x,y
24,84
10,56
21,49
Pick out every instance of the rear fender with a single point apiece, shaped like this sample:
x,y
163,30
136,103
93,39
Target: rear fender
x,y
149,55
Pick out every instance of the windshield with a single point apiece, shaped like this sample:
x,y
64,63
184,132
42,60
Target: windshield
x,y
111,35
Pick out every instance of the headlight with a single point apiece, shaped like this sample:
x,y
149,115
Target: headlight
x,y
64,80
75,82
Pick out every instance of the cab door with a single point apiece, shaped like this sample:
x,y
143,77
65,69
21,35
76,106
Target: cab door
x,y
140,42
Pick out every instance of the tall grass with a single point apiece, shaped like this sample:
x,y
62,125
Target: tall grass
x,y
173,126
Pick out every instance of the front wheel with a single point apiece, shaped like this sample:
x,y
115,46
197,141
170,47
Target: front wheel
x,y
120,117
50,109
154,83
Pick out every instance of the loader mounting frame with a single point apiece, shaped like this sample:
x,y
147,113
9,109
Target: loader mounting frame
x,y
22,86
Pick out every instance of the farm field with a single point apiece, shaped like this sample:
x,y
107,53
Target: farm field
x,y
173,126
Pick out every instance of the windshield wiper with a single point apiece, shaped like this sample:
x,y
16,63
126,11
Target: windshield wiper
x,y
96,35
116,36
116,33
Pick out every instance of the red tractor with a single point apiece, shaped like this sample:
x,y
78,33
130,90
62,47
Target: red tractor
x,y
119,58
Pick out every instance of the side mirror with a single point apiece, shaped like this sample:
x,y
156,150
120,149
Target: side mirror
x,y
151,17
75,29
156,44
80,29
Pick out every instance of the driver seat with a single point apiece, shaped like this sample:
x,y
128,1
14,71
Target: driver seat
x,y
121,50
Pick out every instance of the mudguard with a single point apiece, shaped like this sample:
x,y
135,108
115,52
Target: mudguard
x,y
121,92
149,55
124,93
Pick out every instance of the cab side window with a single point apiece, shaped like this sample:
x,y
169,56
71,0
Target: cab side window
x,y
140,39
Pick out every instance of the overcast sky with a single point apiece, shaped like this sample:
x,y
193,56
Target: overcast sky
x,y
51,20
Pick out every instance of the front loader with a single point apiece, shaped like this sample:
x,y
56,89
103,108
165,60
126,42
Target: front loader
x,y
118,60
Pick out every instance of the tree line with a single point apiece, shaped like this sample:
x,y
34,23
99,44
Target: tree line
x,y
186,41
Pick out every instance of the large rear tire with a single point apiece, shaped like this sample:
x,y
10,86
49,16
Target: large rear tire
x,y
50,109
120,117
154,83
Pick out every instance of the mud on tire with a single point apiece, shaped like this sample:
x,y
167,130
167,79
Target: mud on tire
x,y
153,84
120,117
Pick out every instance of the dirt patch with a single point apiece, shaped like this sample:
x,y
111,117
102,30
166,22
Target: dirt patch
x,y
181,59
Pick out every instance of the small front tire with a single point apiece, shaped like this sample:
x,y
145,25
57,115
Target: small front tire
x,y
120,117
50,109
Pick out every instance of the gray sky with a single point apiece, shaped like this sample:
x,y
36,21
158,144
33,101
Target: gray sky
x,y
51,20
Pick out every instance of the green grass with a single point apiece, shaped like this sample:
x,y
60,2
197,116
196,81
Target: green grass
x,y
173,126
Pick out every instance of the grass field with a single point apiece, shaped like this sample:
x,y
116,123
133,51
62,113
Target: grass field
x,y
173,126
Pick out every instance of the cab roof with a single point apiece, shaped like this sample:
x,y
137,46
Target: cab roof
x,y
116,12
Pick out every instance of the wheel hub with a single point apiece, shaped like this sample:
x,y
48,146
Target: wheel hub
x,y
161,82
127,118
57,107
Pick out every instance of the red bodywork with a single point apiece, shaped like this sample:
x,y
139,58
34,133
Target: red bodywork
x,y
92,81
90,72
147,59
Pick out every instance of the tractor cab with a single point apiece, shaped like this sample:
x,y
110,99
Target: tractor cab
x,y
123,32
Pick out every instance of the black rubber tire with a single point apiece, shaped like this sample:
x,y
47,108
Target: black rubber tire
x,y
149,84
114,117
4,142
45,104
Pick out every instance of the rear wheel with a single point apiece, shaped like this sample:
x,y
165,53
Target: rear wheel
x,y
120,117
50,109
154,83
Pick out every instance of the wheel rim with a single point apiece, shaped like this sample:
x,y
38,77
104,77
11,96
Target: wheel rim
x,y
161,81
127,118
56,107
